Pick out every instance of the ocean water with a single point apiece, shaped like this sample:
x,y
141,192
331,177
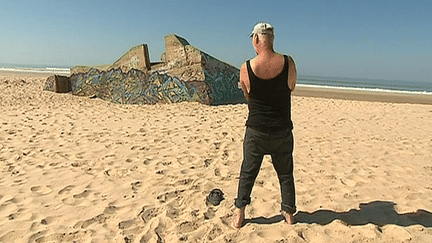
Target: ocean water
x,y
379,85
398,86
32,68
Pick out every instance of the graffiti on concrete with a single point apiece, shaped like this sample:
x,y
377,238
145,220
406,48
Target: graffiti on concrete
x,y
50,84
223,80
136,87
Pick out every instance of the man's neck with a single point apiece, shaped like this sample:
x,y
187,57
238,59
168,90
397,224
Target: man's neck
x,y
265,53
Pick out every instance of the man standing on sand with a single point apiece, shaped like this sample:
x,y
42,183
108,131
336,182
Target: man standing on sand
x,y
267,82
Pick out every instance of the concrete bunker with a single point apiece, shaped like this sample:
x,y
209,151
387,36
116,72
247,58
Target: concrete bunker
x,y
184,73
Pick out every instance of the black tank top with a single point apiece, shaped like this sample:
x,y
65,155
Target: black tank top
x,y
269,101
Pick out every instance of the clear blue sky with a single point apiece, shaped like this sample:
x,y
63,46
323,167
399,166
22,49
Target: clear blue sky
x,y
360,39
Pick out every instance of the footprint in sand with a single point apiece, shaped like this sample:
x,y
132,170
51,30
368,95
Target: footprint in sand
x,y
135,186
101,218
66,189
111,209
76,197
127,224
211,213
163,198
41,190
83,194
188,226
37,236
47,220
147,213
172,212
349,181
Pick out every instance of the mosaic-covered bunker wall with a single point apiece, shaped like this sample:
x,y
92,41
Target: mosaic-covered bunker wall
x,y
184,74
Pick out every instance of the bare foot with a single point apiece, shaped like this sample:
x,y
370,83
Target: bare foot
x,y
289,218
239,217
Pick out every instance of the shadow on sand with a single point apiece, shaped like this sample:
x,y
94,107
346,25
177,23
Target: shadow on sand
x,y
379,213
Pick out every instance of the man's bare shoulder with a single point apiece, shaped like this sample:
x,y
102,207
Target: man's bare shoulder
x,y
243,71
291,60
243,67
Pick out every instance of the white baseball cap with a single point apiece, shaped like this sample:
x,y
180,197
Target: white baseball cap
x,y
262,28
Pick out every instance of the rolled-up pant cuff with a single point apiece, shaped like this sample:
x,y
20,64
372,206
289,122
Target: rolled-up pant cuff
x,y
241,203
288,209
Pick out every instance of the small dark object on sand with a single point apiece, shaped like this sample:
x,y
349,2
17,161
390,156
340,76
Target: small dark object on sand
x,y
215,197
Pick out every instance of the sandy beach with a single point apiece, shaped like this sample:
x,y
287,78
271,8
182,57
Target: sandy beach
x,y
75,169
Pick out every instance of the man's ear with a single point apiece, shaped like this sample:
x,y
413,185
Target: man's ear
x,y
256,39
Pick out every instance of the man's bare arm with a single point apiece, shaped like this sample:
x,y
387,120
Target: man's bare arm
x,y
292,74
244,81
